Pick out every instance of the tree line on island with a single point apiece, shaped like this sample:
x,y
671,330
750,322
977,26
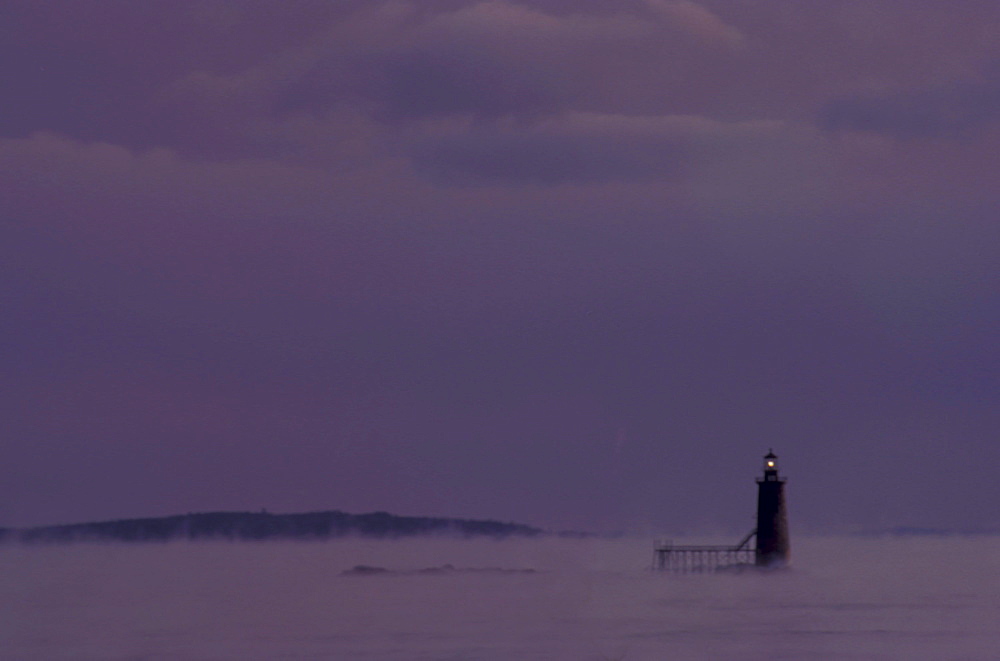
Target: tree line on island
x,y
252,526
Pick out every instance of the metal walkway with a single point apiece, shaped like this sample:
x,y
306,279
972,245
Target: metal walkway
x,y
702,559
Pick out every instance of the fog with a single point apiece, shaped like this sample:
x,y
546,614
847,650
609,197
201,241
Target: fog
x,y
852,598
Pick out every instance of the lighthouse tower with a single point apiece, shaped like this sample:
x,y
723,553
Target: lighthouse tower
x,y
772,521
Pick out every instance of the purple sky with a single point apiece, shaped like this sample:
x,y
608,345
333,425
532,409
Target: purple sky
x,y
576,263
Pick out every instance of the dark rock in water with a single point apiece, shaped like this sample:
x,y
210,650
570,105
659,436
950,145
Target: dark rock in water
x,y
499,570
443,569
364,570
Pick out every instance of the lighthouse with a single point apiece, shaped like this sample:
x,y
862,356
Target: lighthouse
x,y
771,533
772,521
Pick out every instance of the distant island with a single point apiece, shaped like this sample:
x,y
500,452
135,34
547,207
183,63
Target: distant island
x,y
255,526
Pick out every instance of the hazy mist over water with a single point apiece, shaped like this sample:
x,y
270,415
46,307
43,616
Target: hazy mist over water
x,y
915,598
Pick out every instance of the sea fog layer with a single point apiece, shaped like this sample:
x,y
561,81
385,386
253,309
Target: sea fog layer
x,y
853,598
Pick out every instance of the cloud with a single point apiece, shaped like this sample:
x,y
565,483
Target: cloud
x,y
697,20
487,59
581,148
498,21
336,87
553,152
942,111
396,63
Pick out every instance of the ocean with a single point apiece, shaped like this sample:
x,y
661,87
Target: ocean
x,y
451,599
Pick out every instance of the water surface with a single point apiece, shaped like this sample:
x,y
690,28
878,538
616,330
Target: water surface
x,y
915,598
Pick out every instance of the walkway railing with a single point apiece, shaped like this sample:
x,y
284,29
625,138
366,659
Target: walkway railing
x,y
702,559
